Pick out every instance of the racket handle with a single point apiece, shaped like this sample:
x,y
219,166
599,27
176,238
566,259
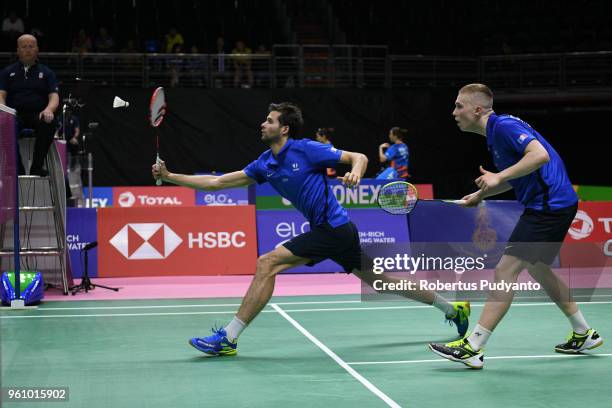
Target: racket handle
x,y
158,182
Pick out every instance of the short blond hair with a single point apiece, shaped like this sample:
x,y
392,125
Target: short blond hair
x,y
481,93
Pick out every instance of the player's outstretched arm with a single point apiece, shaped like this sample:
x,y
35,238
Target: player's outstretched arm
x,y
201,182
359,164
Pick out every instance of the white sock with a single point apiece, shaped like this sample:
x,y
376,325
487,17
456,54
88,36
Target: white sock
x,y
444,305
579,325
479,337
234,328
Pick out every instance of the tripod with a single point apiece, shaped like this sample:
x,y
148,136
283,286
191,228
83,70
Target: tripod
x,y
86,284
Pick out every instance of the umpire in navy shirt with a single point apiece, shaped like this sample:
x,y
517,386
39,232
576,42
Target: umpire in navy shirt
x,y
31,89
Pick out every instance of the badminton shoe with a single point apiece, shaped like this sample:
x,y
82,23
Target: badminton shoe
x,y
579,342
216,345
461,317
460,351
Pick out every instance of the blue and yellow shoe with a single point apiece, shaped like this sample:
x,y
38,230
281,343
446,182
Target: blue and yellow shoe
x,y
460,351
215,345
461,317
576,343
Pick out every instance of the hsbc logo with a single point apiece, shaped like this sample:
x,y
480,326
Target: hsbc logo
x,y
146,241
158,240
128,199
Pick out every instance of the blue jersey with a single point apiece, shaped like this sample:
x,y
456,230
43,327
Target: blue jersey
x,y
397,154
298,173
547,188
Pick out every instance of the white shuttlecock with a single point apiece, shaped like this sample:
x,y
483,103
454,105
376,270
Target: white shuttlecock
x,y
120,103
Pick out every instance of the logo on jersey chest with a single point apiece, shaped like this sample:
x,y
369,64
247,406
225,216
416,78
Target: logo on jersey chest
x,y
295,167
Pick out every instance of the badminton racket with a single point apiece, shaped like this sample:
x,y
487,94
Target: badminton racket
x,y
400,197
157,110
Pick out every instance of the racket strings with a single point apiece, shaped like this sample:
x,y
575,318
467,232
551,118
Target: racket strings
x,y
398,198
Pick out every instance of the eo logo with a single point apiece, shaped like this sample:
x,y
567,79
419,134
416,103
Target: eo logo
x,y
146,241
289,230
126,199
582,226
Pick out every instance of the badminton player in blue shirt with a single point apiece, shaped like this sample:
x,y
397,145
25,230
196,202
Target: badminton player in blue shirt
x,y
396,155
528,164
297,170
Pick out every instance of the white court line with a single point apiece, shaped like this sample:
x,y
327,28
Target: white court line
x,y
10,315
340,309
190,306
44,309
337,359
118,314
438,360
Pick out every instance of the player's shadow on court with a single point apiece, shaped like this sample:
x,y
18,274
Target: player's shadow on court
x,y
517,371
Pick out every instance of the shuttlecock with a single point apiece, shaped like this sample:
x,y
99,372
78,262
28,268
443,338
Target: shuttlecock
x,y
120,103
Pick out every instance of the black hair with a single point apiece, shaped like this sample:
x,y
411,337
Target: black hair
x,y
400,133
290,115
328,132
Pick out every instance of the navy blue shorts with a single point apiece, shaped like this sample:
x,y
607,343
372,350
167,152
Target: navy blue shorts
x,y
539,234
340,244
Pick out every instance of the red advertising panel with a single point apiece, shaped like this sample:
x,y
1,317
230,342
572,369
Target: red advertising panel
x,y
171,241
589,239
425,191
593,222
153,196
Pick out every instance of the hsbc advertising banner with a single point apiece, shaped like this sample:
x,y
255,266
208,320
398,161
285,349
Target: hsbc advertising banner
x,y
362,196
81,229
375,227
168,241
172,196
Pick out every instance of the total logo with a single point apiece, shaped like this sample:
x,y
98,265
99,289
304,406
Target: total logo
x,y
158,240
128,199
582,226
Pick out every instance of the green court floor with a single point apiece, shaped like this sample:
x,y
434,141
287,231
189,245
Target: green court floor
x,y
300,352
